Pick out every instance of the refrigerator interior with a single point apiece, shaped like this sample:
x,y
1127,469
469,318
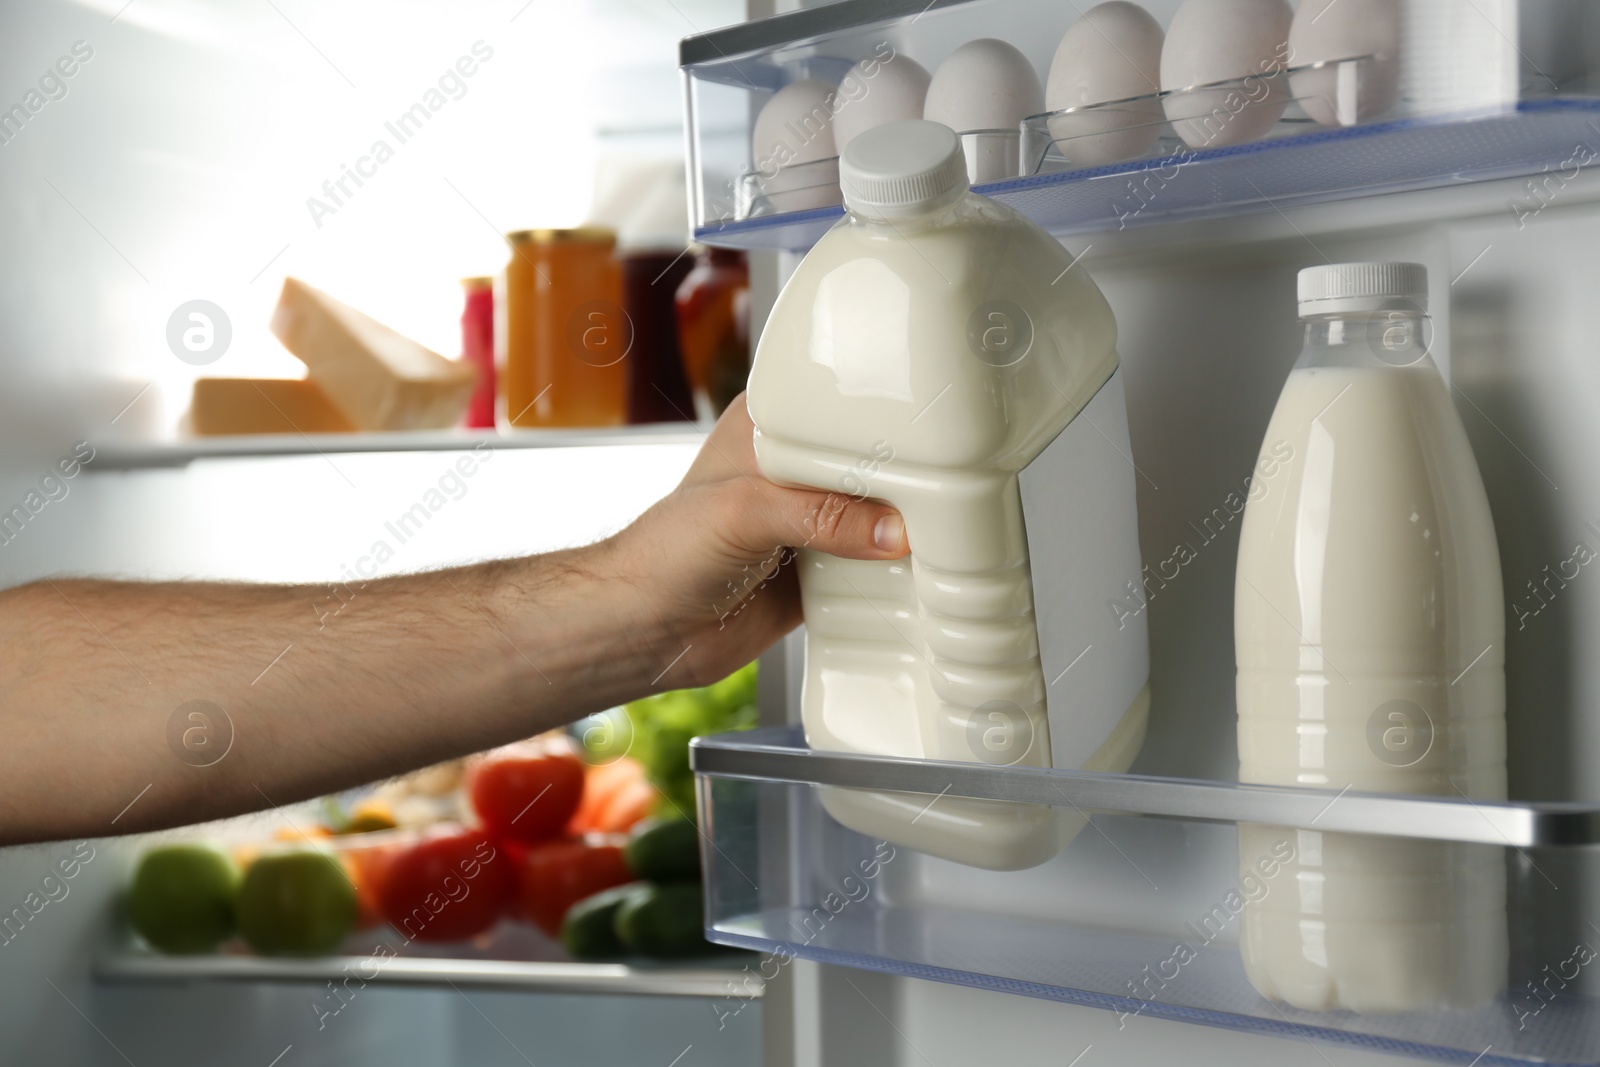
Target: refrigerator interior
x,y
178,165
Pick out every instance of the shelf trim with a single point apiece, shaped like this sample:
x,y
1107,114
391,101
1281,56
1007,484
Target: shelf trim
x,y
779,754
616,979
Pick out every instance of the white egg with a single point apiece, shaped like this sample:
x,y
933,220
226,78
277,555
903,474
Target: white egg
x,y
878,89
796,125
1209,41
985,85
1346,93
1113,53
792,147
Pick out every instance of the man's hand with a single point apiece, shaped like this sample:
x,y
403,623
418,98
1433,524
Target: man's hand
x,y
712,563
95,675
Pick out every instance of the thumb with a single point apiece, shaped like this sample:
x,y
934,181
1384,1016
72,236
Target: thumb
x,y
841,525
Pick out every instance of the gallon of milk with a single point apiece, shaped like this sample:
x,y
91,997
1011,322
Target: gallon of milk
x,y
1369,637
938,351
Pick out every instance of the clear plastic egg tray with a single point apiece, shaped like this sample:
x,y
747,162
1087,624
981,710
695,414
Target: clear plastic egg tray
x,y
1451,62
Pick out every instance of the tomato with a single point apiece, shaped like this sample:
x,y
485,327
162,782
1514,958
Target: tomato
x,y
557,874
527,791
447,886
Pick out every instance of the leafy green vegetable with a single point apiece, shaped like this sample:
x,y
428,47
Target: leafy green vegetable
x,y
664,724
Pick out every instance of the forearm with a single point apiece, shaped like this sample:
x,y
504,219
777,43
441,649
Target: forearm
x,y
320,687
303,690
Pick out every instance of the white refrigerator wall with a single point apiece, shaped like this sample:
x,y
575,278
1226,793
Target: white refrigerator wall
x,y
1207,334
204,150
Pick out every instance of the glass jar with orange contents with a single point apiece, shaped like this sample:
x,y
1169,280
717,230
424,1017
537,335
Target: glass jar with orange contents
x,y
560,330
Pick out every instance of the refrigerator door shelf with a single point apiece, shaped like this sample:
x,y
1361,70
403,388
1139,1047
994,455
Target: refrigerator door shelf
x,y
1140,913
779,754
1094,163
1322,164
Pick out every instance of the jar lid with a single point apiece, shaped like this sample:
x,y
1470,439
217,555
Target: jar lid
x,y
570,235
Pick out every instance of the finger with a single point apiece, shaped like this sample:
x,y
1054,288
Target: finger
x,y
829,522
839,525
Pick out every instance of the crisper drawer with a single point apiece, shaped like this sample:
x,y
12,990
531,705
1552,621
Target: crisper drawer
x,y
1445,90
1150,911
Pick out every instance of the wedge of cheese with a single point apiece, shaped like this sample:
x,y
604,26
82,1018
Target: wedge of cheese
x,y
377,378
263,405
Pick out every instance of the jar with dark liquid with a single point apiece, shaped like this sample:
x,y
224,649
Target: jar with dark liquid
x,y
658,390
714,328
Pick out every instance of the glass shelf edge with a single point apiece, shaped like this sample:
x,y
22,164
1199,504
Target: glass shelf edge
x,y
132,455
779,754
596,978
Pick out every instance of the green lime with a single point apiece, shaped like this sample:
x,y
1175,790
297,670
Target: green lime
x,y
297,902
182,897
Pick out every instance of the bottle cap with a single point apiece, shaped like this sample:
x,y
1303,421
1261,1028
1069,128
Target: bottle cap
x,y
1339,288
901,169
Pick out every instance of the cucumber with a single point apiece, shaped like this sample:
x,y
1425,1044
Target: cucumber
x,y
589,929
663,921
664,850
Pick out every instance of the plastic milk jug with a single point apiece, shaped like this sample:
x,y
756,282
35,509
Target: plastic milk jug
x,y
938,351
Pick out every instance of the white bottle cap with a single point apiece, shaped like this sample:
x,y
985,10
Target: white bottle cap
x,y
1339,288
904,168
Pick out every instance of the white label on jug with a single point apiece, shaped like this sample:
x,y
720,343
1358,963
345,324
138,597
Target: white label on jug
x,y
1078,503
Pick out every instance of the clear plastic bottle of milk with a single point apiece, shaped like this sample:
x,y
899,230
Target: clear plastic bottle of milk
x,y
1369,634
929,347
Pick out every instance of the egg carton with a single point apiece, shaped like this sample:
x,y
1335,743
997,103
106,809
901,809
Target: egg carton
x,y
1177,124
1181,123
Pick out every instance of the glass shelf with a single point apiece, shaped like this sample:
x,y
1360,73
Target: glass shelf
x,y
135,455
1099,924
1304,168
